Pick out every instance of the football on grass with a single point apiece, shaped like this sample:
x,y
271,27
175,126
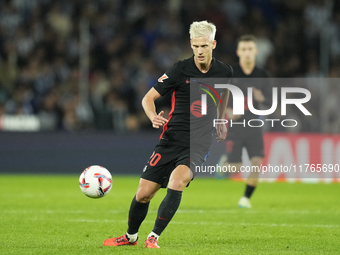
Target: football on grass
x,y
95,181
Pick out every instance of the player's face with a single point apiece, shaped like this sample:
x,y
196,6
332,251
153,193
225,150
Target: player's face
x,y
246,51
202,48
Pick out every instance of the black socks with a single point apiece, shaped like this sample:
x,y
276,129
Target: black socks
x,y
167,210
249,191
137,214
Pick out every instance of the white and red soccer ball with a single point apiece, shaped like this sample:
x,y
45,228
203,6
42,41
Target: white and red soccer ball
x,y
95,181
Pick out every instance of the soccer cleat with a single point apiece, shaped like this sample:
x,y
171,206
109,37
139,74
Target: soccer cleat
x,y
151,242
118,241
244,202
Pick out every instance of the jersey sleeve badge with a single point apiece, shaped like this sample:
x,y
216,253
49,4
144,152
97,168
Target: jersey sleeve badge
x,y
163,77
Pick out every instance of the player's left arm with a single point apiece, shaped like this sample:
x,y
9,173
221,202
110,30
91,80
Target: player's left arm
x,y
221,129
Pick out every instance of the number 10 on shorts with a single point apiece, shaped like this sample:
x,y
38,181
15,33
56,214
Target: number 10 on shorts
x,y
155,157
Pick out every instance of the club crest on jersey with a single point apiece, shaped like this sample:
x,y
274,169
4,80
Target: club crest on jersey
x,y
163,77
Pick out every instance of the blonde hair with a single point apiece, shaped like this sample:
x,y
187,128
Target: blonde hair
x,y
202,29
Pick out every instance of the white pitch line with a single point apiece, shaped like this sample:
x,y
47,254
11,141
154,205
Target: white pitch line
x,y
216,223
180,211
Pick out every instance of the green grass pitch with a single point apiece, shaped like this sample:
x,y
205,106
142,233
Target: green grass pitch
x,y
50,215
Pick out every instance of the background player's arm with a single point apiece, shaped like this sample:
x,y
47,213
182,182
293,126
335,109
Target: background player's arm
x,y
267,93
231,115
149,107
264,95
258,96
221,129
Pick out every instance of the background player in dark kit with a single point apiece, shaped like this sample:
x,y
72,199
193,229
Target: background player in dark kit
x,y
238,136
170,161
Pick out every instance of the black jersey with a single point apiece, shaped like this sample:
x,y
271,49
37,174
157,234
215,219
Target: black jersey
x,y
256,79
256,73
177,80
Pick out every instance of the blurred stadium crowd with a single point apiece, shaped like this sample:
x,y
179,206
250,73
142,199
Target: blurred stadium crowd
x,y
132,43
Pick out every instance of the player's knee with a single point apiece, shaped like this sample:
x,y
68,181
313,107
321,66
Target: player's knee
x,y
143,197
252,182
234,168
178,185
180,178
256,161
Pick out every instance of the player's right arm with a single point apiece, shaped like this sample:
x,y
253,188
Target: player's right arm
x,y
164,84
148,104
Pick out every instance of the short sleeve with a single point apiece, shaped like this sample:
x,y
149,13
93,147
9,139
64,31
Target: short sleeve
x,y
168,81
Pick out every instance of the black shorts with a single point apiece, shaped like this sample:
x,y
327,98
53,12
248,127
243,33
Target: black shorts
x,y
165,158
252,141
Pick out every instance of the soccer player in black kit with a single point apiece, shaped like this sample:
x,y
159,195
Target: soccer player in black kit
x,y
239,136
169,164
